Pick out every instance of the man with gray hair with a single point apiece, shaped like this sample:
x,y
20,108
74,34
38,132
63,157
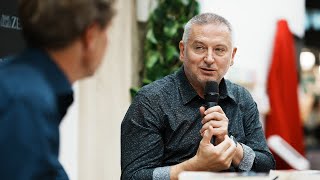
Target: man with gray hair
x,y
66,41
167,130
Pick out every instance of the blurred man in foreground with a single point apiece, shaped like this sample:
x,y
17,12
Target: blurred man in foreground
x,y
66,41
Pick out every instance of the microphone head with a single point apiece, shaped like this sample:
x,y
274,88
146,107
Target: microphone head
x,y
211,86
211,91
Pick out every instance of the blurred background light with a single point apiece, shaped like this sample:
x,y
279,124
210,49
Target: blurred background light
x,y
307,60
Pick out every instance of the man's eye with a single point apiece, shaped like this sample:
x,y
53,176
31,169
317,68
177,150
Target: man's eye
x,y
200,48
220,51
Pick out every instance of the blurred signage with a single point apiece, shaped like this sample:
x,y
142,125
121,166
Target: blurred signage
x,y
11,40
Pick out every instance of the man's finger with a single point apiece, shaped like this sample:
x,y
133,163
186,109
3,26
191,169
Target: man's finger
x,y
202,110
207,136
213,116
214,109
225,144
214,124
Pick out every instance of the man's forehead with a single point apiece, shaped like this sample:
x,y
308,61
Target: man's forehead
x,y
207,31
210,27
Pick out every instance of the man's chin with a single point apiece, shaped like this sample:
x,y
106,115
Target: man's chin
x,y
204,80
89,74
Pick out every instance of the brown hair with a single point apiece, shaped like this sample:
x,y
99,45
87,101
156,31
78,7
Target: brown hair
x,y
57,23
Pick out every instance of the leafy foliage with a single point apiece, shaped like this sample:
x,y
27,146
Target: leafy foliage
x,y
164,32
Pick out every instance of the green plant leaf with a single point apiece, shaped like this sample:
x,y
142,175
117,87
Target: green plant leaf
x,y
151,37
152,59
185,2
163,32
171,52
134,91
146,81
171,28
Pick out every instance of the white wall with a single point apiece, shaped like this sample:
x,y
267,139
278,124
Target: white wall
x,y
254,23
69,138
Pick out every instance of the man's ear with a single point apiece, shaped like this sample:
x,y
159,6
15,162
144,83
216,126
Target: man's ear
x,y
90,36
234,51
182,49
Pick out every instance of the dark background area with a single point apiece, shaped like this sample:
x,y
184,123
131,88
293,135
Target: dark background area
x,y
11,40
312,33
311,42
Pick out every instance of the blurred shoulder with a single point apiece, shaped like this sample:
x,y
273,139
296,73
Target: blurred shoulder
x,y
20,81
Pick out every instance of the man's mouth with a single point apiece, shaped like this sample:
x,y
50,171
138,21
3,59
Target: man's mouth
x,y
208,69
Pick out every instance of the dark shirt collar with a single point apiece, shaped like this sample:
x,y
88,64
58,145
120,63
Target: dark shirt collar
x,y
56,78
188,93
225,91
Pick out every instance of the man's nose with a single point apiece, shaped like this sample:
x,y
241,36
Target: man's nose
x,y
209,58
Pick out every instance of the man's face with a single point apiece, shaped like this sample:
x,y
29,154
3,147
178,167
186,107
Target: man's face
x,y
101,47
98,41
207,55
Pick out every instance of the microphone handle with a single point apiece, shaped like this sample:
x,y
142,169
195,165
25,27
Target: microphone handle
x,y
210,104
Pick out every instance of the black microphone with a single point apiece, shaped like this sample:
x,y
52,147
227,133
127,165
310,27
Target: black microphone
x,y
211,94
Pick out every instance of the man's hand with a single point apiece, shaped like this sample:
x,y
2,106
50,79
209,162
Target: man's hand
x,y
209,157
214,158
216,118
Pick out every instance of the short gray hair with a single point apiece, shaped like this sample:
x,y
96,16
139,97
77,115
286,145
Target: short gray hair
x,y
203,19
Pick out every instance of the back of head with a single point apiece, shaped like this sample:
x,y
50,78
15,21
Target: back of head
x,y
57,23
204,19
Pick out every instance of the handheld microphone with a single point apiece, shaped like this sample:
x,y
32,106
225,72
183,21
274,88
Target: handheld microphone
x,y
211,94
